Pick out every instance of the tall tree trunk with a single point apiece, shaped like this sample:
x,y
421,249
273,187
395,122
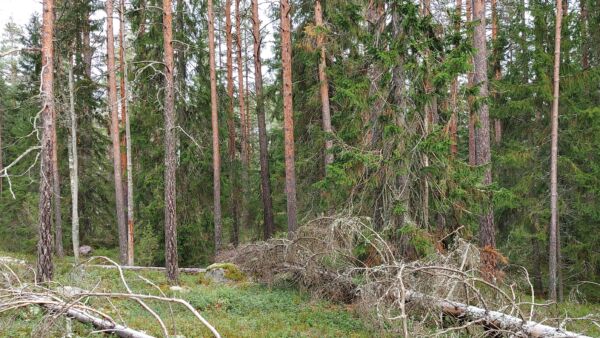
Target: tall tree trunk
x,y
126,140
44,267
324,85
215,126
170,151
487,236
1,151
497,67
553,265
87,51
243,118
428,120
585,48
288,117
472,118
73,164
58,242
265,178
453,125
114,131
235,194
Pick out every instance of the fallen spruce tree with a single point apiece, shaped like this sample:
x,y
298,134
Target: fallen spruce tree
x,y
435,296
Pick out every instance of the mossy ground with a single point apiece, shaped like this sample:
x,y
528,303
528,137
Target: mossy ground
x,y
241,309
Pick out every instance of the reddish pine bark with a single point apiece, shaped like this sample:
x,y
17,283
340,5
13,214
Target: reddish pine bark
x,y
324,85
288,117
114,133
170,149
215,125
44,267
265,179
487,236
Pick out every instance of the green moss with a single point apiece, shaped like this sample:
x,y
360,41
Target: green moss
x,y
232,272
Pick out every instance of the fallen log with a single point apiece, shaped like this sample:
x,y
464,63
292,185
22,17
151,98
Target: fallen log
x,y
493,319
147,268
99,323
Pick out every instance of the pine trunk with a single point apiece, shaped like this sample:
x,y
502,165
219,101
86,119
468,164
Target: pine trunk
x,y
170,149
585,48
324,85
243,118
472,118
44,267
288,117
554,244
487,236
265,178
73,164
126,140
215,124
453,125
114,131
235,194
497,67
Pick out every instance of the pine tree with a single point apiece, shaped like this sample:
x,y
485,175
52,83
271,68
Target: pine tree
x,y
44,248
324,84
170,150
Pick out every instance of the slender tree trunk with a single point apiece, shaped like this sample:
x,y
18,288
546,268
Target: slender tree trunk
x,y
128,165
265,178
497,67
472,118
73,164
487,236
428,120
1,151
235,195
585,48
324,85
215,126
87,51
243,118
288,117
58,242
114,130
44,248
170,151
453,125
554,244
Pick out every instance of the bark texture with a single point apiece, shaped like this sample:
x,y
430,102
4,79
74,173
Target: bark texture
x,y
265,178
215,126
235,194
243,117
170,149
288,117
487,236
324,85
58,236
126,161
114,133
554,229
497,67
73,165
44,268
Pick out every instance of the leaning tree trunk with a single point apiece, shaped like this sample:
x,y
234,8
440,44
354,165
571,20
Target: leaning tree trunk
x,y
487,236
288,117
265,179
553,245
215,124
44,248
324,85
170,151
114,133
127,164
73,164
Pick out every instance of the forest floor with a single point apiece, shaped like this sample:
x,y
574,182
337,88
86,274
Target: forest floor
x,y
240,309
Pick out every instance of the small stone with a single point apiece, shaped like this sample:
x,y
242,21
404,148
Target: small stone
x,y
85,250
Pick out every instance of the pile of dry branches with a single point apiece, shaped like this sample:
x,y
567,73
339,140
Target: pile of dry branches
x,y
72,302
439,295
